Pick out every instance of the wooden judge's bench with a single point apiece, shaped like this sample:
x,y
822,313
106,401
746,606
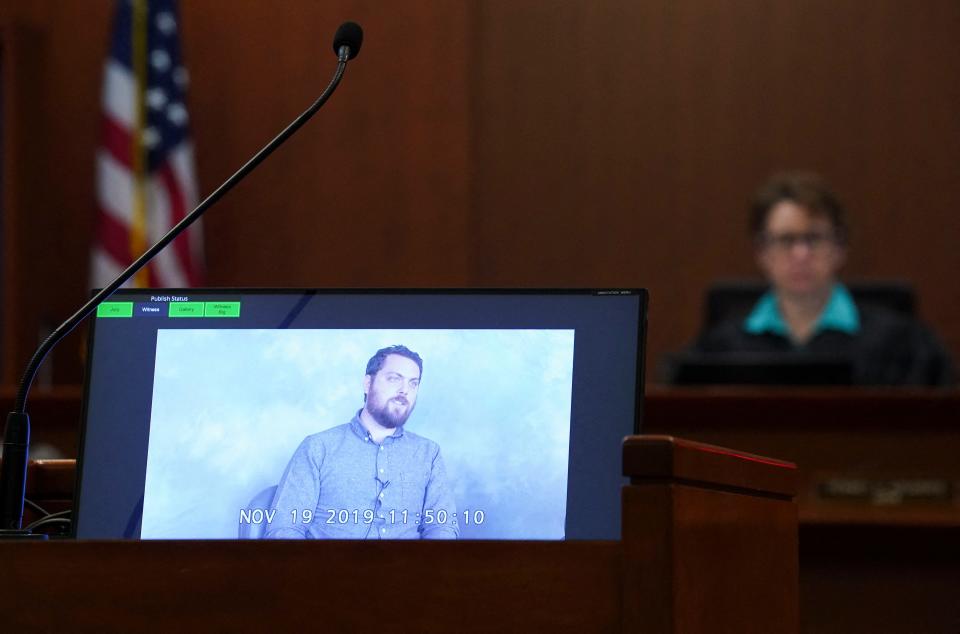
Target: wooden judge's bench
x,y
878,493
709,544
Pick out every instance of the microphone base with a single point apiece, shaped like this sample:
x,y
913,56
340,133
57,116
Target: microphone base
x,y
13,470
21,535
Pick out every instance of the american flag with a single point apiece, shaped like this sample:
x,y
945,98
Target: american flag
x,y
145,169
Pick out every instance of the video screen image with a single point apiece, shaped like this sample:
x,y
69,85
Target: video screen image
x,y
266,433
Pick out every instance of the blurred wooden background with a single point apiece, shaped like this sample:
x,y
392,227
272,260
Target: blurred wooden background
x,y
502,143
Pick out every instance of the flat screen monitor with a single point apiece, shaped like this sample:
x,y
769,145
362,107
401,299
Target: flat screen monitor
x,y
448,414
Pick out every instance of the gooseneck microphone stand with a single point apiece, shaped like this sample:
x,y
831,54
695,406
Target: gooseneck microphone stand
x,y
16,438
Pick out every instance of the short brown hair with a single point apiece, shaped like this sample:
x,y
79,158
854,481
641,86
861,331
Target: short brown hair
x,y
377,360
806,189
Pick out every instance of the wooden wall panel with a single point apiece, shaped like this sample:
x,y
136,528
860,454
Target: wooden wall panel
x,y
56,50
618,142
496,143
373,192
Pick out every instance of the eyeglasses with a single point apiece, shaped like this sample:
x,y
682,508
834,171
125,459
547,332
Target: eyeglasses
x,y
785,242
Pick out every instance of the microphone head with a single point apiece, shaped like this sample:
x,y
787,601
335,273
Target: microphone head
x,y
350,35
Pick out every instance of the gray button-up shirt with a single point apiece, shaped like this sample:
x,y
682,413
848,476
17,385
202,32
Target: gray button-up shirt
x,y
340,484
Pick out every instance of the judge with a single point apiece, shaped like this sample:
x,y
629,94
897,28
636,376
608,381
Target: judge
x,y
800,235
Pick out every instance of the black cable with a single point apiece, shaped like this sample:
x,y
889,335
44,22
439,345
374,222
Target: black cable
x,y
49,520
61,331
36,507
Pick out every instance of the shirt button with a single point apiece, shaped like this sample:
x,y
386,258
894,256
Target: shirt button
x,y
381,447
381,470
383,530
381,496
381,516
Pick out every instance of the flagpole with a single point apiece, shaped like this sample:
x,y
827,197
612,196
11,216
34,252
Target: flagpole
x,y
138,226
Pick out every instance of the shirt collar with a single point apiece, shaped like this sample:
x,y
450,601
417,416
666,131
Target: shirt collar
x,y
840,314
362,432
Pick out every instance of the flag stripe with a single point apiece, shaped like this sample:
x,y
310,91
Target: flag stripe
x,y
103,266
166,266
119,94
177,213
114,240
114,190
181,162
116,140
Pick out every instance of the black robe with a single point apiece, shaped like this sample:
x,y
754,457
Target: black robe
x,y
890,348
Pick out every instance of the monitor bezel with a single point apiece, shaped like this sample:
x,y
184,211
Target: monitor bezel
x,y
639,391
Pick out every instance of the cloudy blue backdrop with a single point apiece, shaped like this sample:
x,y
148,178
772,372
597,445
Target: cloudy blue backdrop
x,y
231,406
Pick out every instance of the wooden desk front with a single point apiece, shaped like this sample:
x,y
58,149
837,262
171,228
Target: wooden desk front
x,y
879,493
857,556
709,545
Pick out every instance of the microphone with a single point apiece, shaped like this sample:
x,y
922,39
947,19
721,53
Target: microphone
x,y
16,437
349,35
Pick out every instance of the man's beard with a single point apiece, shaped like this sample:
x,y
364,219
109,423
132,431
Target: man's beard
x,y
388,418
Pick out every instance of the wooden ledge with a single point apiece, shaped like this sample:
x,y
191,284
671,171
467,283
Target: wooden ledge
x,y
649,459
51,479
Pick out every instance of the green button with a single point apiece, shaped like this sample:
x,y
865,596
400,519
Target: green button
x,y
186,309
221,309
115,309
